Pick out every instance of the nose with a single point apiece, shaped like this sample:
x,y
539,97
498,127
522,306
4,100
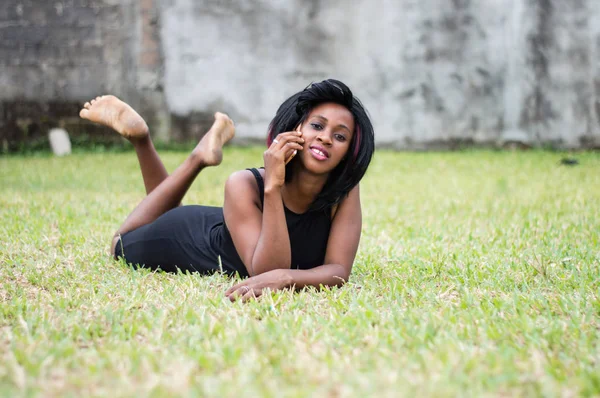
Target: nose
x,y
325,137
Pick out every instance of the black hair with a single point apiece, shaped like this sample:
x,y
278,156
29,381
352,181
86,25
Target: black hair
x,y
353,166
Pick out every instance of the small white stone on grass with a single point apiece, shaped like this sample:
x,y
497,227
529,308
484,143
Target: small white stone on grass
x,y
59,141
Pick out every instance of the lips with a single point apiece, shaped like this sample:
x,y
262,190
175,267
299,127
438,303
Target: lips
x,y
319,152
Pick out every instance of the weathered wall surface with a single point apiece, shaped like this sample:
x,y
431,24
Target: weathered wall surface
x,y
54,55
433,73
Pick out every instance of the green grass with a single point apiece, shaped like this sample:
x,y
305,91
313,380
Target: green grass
x,y
477,274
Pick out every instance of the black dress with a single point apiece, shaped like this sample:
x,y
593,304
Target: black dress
x,y
193,238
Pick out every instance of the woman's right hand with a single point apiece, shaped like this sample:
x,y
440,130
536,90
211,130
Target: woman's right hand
x,y
283,148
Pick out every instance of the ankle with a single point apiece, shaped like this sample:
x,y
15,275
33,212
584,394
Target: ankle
x,y
141,142
197,160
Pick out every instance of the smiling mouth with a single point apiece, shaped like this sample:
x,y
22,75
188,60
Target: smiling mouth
x,y
319,154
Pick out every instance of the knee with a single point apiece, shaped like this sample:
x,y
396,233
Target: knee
x,y
115,240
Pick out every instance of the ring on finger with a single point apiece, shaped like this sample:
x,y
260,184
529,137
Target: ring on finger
x,y
275,141
246,289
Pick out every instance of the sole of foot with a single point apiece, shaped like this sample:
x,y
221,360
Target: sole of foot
x,y
209,150
110,111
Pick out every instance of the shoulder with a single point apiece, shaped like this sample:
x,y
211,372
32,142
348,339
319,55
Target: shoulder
x,y
350,202
242,184
240,176
245,175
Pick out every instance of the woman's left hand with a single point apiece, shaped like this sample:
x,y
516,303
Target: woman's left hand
x,y
257,285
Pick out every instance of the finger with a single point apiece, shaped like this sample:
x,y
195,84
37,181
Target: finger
x,y
237,294
233,288
237,287
280,142
286,150
252,294
289,152
291,156
291,147
283,138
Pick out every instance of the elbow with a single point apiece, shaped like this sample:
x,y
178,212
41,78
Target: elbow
x,y
339,281
253,270
340,276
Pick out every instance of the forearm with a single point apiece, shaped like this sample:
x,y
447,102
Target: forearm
x,y
324,275
273,249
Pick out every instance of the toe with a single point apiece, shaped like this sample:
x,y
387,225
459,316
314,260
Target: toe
x,y
223,117
87,105
84,113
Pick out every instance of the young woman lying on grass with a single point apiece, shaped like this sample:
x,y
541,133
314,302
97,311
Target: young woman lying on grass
x,y
295,222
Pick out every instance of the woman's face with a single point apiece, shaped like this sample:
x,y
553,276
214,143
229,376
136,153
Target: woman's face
x,y
327,132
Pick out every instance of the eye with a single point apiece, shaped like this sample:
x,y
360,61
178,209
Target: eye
x,y
340,137
317,126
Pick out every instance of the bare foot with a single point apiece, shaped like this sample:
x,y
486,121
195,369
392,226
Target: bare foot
x,y
210,148
110,111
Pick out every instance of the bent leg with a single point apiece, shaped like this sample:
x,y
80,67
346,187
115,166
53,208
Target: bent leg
x,y
169,193
164,192
166,196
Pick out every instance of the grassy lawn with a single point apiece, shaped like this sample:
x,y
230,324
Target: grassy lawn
x,y
478,274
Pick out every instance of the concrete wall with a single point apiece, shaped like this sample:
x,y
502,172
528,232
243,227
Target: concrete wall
x,y
54,55
433,73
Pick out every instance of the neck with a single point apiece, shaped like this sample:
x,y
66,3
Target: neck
x,y
302,189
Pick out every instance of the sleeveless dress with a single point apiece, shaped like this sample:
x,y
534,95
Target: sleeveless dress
x,y
196,239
